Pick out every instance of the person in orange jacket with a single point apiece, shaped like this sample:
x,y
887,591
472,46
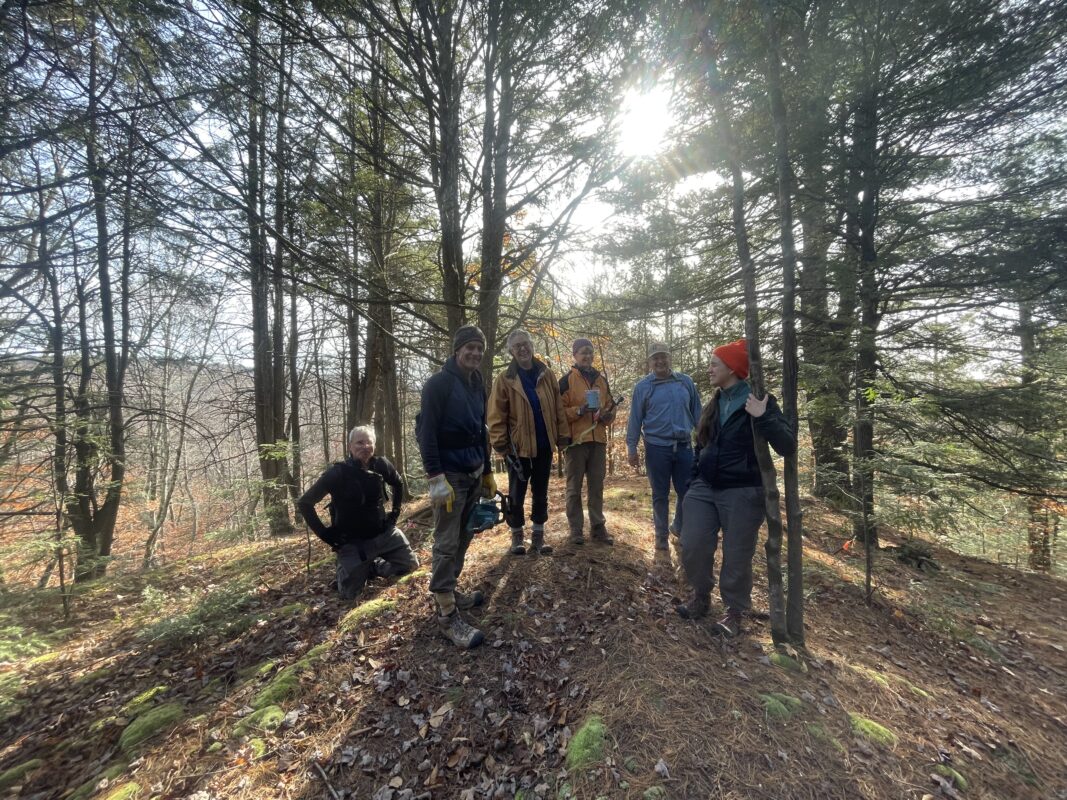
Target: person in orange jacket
x,y
526,422
590,409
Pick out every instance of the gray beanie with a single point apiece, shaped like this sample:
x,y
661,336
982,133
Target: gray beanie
x,y
468,333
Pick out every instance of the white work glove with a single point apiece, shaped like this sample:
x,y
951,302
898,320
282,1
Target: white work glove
x,y
441,491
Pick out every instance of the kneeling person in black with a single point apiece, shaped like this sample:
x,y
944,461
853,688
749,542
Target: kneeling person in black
x,y
363,535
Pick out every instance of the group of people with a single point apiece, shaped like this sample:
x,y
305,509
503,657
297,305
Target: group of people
x,y
706,451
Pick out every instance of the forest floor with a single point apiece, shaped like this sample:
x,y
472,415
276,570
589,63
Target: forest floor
x,y
239,674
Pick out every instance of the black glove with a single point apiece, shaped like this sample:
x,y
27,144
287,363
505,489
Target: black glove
x,y
391,518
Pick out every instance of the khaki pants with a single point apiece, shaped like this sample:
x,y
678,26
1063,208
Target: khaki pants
x,y
450,535
588,461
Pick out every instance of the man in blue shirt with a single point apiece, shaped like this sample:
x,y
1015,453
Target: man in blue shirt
x,y
665,410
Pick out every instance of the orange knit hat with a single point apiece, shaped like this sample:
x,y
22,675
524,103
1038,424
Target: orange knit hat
x,y
735,356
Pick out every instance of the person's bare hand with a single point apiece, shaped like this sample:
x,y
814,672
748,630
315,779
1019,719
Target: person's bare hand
x,y
631,459
756,407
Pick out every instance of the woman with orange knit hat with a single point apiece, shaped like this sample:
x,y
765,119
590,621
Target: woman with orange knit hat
x,y
726,493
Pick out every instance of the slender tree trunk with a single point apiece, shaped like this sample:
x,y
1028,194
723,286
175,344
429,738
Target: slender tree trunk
x,y
795,552
773,546
865,527
270,465
1040,526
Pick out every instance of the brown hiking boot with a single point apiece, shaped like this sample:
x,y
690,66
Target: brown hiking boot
x,y
575,538
537,544
602,537
697,607
518,546
729,627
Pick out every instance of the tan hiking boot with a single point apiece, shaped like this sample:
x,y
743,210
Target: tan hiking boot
x,y
454,628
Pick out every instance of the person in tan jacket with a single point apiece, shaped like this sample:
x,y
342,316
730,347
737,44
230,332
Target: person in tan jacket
x,y
526,422
590,409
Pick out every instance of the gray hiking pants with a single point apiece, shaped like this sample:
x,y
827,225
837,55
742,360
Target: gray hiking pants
x,y
450,536
738,514
355,561
588,461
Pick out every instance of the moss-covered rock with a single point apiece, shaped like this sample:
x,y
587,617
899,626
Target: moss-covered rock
x,y
586,747
149,724
127,791
9,777
144,700
44,658
957,779
871,730
265,719
365,612
780,706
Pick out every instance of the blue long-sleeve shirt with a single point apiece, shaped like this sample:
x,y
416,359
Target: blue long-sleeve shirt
x,y
664,410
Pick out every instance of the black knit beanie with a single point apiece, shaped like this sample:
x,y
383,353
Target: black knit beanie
x,y
468,333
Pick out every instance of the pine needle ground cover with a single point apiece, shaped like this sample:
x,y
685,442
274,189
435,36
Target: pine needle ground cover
x,y
952,683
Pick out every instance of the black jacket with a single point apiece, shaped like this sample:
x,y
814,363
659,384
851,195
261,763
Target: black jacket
x,y
450,426
357,500
726,457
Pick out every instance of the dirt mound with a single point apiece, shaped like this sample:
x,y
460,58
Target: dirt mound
x,y
241,675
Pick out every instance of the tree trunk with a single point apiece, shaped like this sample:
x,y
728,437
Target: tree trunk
x,y
795,552
773,547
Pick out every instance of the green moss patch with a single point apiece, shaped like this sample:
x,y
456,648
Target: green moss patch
x,y
871,730
149,724
260,670
89,787
10,777
788,663
918,691
259,748
819,732
284,685
144,700
874,677
412,576
265,719
291,610
946,771
365,612
96,675
654,793
127,791
10,683
586,747
780,706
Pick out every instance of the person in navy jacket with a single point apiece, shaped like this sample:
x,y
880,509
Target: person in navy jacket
x,y
725,497
451,432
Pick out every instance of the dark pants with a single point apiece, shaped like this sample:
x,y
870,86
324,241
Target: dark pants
x,y
666,465
738,513
536,471
355,561
450,535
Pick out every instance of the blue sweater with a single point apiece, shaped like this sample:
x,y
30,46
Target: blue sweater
x,y
664,410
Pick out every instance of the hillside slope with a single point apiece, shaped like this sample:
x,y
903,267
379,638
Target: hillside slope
x,y
240,675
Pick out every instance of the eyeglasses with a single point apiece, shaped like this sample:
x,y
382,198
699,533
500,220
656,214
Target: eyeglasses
x,y
522,346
